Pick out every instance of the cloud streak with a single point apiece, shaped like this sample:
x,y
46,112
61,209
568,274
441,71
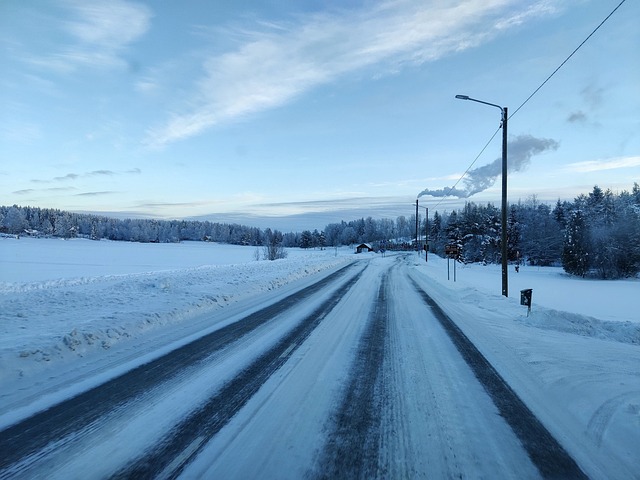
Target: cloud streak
x,y
100,32
94,194
68,176
33,190
520,150
600,165
94,173
276,65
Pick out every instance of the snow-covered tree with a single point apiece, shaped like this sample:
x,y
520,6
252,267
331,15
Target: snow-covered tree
x,y
575,252
453,229
348,236
273,248
306,239
403,231
14,220
436,238
63,226
319,239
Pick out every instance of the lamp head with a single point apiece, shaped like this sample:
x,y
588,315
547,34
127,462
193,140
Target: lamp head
x,y
462,97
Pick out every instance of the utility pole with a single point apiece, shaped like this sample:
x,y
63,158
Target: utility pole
x,y
417,249
505,250
426,234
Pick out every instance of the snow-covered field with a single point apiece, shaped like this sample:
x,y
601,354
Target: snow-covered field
x,y
64,301
69,308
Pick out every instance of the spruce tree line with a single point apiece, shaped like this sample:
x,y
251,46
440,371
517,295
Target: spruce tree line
x,y
45,222
597,234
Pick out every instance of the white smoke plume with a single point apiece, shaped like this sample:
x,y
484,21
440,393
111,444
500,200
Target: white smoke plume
x,y
519,153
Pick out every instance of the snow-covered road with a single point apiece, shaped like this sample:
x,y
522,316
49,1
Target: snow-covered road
x,y
351,377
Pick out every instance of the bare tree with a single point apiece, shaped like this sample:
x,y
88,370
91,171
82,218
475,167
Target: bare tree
x,y
274,248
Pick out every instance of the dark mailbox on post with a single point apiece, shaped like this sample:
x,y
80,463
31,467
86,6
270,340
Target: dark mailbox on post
x,y
525,297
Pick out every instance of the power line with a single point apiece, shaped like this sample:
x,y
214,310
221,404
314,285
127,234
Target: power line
x,y
567,59
468,168
530,97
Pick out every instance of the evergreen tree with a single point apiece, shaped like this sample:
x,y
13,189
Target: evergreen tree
x,y
492,235
306,239
315,238
14,220
437,234
575,253
62,226
513,234
636,193
453,230
559,214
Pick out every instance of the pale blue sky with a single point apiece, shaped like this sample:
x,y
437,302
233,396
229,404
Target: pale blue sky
x,y
182,109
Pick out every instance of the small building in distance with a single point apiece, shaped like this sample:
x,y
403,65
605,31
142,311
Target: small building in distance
x,y
363,247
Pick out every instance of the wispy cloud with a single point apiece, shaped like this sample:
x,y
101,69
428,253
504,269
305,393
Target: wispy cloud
x,y
593,98
94,173
59,189
99,33
53,189
274,65
608,164
68,176
94,194
577,117
170,209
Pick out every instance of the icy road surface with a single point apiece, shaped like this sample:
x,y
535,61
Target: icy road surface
x,y
360,375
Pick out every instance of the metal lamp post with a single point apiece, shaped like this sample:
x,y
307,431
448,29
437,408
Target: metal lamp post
x,y
417,248
426,234
505,282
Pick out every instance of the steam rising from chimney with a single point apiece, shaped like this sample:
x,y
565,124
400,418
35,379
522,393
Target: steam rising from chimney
x,y
520,151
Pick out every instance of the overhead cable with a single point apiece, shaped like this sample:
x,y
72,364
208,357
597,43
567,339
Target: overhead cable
x,y
532,94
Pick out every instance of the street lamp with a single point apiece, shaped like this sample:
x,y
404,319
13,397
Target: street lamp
x,y
416,247
426,234
505,282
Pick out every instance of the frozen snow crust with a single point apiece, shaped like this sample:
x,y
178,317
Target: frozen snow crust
x,y
93,306
75,313
53,321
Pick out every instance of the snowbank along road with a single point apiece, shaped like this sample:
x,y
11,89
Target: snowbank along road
x,y
360,375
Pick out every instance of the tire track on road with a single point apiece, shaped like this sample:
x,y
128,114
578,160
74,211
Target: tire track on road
x,y
352,447
46,427
185,440
600,419
551,459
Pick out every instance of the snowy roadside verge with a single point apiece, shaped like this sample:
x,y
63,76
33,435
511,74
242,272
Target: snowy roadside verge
x,y
56,322
578,374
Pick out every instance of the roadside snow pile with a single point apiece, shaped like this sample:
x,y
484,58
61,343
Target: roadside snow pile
x,y
52,320
603,309
625,332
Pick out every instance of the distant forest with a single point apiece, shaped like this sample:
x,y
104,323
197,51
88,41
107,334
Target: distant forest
x,y
597,234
